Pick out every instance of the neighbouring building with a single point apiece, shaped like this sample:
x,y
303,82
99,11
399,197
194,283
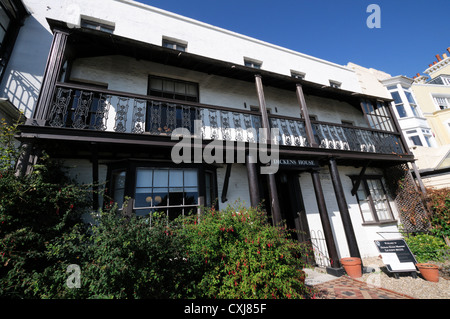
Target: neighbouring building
x,y
432,92
416,120
103,84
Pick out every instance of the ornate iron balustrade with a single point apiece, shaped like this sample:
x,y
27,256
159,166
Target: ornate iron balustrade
x,y
347,138
81,107
86,108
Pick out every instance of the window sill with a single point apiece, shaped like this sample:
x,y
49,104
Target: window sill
x,y
384,222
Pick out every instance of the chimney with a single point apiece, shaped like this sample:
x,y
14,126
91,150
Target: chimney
x,y
434,62
448,49
444,55
438,57
430,65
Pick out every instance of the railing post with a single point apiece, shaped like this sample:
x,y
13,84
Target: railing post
x,y
52,72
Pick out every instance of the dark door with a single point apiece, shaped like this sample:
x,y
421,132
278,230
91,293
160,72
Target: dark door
x,y
291,204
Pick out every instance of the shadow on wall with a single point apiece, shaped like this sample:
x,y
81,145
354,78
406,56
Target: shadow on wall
x,y
23,76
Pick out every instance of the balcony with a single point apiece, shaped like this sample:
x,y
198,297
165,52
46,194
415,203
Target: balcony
x,y
87,108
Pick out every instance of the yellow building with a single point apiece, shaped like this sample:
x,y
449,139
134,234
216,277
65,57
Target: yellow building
x,y
432,92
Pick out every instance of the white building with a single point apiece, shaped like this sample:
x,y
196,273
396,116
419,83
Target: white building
x,y
104,83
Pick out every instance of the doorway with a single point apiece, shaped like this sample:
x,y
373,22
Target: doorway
x,y
291,204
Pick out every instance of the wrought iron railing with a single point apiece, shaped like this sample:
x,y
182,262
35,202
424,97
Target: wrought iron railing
x,y
82,107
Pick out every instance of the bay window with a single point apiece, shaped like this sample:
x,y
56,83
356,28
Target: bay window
x,y
171,189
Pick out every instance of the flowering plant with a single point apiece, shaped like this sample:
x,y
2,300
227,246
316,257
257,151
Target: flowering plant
x,y
243,256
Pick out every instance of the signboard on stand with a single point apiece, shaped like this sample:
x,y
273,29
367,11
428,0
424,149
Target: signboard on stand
x,y
397,256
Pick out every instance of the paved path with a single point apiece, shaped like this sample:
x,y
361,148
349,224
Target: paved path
x,y
331,287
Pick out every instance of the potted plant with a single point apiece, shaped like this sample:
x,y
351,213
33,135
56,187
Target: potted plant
x,y
352,266
429,271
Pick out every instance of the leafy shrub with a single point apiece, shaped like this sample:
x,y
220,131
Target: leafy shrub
x,y
426,247
243,256
33,210
438,202
120,257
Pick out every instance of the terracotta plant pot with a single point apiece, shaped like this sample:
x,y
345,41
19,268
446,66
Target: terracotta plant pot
x,y
352,266
429,271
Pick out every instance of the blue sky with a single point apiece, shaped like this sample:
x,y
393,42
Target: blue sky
x,y
411,34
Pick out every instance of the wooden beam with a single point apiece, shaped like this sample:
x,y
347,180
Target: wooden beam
x,y
358,180
343,209
225,183
51,74
305,115
275,205
253,181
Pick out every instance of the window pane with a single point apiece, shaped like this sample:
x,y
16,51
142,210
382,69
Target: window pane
x,y
416,140
176,178
401,110
161,178
410,97
180,88
168,86
191,196
144,177
119,196
379,199
118,186
143,197
414,110
396,97
175,212
156,84
160,196
190,178
176,196
191,89
364,204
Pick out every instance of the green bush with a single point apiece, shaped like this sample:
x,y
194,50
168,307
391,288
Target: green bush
x,y
438,202
120,257
426,247
243,256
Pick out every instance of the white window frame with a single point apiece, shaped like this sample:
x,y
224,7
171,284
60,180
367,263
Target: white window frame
x,y
174,44
443,98
335,84
252,63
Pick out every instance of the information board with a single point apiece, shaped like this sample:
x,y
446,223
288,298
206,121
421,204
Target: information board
x,y
396,255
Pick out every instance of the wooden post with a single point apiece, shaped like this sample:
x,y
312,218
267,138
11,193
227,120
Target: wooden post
x,y
52,71
275,205
343,209
418,178
323,212
253,184
95,196
305,115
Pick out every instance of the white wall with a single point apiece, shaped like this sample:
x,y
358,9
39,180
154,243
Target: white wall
x,y
237,186
134,20
129,75
365,235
